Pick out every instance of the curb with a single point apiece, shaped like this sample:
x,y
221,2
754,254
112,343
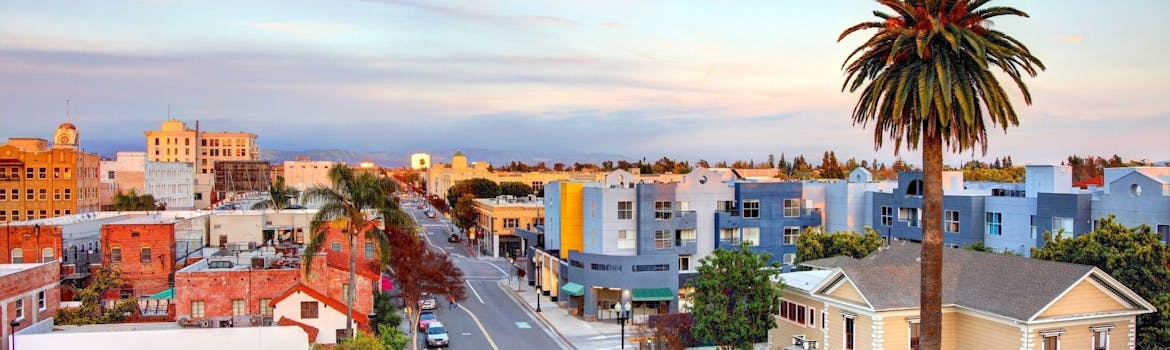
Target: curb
x,y
547,325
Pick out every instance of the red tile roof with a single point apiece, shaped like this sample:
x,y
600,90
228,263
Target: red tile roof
x,y
362,319
1099,181
285,321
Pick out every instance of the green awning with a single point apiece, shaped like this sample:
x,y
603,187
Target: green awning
x,y
573,289
652,294
169,293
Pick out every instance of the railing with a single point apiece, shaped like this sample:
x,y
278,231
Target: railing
x,y
799,341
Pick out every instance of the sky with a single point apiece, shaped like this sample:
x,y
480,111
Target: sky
x,y
683,79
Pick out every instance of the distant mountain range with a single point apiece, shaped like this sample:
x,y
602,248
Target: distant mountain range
x,y
400,159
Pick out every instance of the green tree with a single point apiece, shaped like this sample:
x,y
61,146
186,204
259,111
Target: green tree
x,y
1134,256
392,337
360,341
478,187
279,196
361,206
384,312
91,311
132,201
928,78
734,298
516,189
464,212
814,244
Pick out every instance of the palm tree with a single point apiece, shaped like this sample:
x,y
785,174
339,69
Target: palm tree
x,y
132,201
279,196
361,206
928,77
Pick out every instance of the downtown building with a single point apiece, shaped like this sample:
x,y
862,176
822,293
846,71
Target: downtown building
x,y
174,142
40,181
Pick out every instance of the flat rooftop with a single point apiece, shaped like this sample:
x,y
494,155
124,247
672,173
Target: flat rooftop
x,y
8,269
242,260
116,327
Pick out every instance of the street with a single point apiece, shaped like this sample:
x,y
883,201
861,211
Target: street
x,y
489,318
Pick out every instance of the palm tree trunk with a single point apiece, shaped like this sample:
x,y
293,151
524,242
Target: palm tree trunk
x,y
932,240
352,285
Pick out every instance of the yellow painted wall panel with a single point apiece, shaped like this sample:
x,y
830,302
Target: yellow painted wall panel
x,y
1084,298
572,237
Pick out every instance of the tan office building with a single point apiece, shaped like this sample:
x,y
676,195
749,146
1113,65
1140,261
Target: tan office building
x,y
38,181
497,217
174,142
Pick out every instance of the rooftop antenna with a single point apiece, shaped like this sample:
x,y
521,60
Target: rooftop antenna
x,y
67,118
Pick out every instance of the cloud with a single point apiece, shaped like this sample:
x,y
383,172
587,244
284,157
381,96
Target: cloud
x,y
1072,39
480,16
613,24
304,30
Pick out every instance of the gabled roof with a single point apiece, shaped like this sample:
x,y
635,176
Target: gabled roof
x,y
1011,286
285,321
362,319
831,263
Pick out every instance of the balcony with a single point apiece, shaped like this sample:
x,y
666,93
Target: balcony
x,y
799,343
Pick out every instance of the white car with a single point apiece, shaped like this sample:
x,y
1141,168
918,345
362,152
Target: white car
x,y
427,302
437,335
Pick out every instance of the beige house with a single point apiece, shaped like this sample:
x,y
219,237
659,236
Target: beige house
x,y
497,217
990,301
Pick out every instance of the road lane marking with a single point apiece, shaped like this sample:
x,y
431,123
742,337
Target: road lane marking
x,y
480,325
498,268
523,325
473,291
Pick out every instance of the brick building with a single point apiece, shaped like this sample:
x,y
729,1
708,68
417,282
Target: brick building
x,y
38,181
144,250
28,294
30,243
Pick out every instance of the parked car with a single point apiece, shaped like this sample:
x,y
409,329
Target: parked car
x,y
453,238
427,302
437,335
425,318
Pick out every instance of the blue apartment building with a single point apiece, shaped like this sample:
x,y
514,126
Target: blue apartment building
x,y
898,214
769,216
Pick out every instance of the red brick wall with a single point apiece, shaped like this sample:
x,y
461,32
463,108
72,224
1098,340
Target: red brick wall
x,y
26,284
144,277
30,239
217,289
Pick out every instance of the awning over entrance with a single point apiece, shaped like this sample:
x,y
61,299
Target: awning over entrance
x,y
652,294
169,293
573,289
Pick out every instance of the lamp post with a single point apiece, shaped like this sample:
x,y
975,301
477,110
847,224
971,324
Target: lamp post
x,y
12,332
624,308
538,268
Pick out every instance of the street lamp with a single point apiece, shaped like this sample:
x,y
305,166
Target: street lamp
x,y
538,268
624,308
12,332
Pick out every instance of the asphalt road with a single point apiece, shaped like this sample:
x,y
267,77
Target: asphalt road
x,y
489,318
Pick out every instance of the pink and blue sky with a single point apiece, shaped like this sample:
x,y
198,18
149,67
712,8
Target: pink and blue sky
x,y
686,79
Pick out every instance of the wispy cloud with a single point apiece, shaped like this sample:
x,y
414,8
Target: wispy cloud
x,y
304,30
470,14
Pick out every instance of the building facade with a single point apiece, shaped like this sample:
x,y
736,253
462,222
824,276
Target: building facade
x,y
143,250
498,217
38,181
441,177
30,295
1136,196
304,173
175,142
768,217
420,161
172,184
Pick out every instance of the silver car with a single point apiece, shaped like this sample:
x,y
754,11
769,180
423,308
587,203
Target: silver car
x,y
437,335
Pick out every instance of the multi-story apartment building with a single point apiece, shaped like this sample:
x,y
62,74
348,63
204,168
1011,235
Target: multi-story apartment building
x,y
1136,196
304,173
171,183
768,217
497,218
174,142
38,181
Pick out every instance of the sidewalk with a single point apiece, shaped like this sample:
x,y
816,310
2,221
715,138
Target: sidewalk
x,y
573,330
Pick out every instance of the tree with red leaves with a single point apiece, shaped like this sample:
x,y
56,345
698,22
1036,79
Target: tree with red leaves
x,y
418,270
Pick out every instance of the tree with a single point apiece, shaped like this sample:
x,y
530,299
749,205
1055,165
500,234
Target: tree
x,y
392,337
672,331
926,71
360,206
92,310
515,189
384,312
1134,256
478,187
132,201
734,298
279,196
361,341
418,270
464,212
814,244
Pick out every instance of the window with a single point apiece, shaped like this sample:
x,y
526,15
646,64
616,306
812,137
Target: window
x,y
44,194
335,246
144,255
909,215
791,234
511,223
725,205
3,194
915,333
887,216
995,224
951,221
663,239
625,210
662,210
265,309
684,262
239,308
369,250
914,188
308,309
751,235
626,239
17,256
19,308
796,313
41,301
686,236
46,255
727,235
848,332
28,173
789,258
68,193
1062,225
791,208
751,208
1032,225
42,173
116,254
56,194
1051,341
1100,339
682,206
198,309
824,320
3,216
1163,232
29,194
